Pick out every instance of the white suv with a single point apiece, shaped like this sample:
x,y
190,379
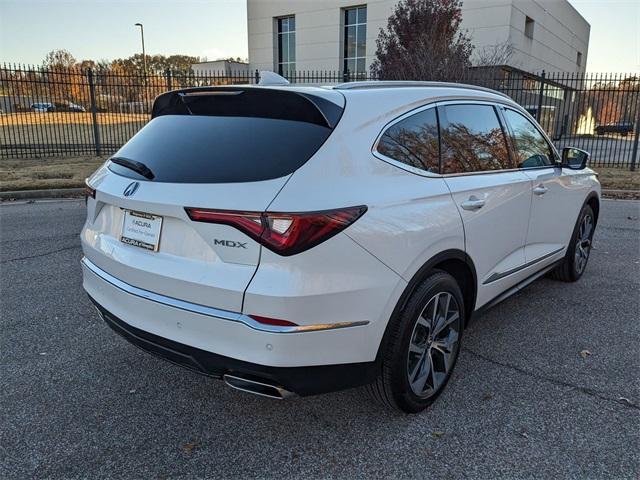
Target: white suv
x,y
304,240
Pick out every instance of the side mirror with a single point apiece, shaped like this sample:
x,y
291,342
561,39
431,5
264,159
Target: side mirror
x,y
574,158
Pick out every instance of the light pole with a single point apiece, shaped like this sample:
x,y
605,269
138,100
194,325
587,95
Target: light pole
x,y
144,55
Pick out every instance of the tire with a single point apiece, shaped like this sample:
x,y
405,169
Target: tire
x,y
432,357
575,261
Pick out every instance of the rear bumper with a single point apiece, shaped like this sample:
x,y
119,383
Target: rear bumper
x,y
217,342
225,333
300,380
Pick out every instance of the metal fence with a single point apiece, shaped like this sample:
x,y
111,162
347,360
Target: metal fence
x,y
73,112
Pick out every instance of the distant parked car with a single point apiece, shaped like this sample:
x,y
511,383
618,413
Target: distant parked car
x,y
623,128
67,106
43,107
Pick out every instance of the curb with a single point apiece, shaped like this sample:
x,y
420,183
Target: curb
x,y
34,194
621,195
630,192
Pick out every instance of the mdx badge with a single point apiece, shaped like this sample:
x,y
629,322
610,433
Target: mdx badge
x,y
229,243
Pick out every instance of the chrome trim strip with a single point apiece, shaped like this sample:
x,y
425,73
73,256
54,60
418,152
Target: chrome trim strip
x,y
498,275
442,103
517,287
211,311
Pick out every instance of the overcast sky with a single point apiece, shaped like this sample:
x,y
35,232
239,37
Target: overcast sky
x,y
100,29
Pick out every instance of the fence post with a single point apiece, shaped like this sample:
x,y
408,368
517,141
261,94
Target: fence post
x,y
636,134
539,110
94,112
167,74
257,76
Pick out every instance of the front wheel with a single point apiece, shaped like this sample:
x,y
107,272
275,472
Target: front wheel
x,y
575,261
421,347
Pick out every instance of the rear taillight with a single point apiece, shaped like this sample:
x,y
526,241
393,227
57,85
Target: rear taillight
x,y
88,192
283,233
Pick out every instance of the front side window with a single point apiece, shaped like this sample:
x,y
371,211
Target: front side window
x,y
355,40
286,46
531,149
413,141
472,139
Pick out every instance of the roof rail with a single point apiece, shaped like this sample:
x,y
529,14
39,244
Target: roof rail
x,y
412,83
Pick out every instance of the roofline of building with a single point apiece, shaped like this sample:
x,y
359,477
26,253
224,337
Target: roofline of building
x,y
220,60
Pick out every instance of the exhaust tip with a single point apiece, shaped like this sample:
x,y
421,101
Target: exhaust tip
x,y
257,388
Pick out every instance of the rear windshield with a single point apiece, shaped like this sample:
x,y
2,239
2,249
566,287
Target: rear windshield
x,y
228,144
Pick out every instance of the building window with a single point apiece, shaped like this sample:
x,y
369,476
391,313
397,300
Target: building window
x,y
579,59
287,46
528,27
355,41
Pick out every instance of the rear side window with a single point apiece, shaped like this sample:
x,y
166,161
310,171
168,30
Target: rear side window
x,y
413,141
472,139
531,149
229,136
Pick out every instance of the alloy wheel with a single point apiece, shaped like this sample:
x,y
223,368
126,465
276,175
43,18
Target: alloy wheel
x,y
583,243
434,344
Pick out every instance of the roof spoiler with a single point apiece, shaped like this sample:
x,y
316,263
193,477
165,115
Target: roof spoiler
x,y
248,101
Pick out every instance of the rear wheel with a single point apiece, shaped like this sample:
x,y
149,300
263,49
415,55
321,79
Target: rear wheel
x,y
575,261
422,346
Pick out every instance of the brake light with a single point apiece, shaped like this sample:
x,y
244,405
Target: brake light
x,y
88,191
283,233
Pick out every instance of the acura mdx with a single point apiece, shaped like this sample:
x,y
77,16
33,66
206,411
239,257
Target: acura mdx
x,y
302,240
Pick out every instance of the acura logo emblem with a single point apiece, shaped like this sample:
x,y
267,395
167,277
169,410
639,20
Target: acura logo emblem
x,y
131,189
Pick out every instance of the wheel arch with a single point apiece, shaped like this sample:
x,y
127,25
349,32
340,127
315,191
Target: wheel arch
x,y
453,261
456,263
593,200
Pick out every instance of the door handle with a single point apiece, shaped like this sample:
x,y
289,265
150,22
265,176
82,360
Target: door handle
x,y
474,203
540,190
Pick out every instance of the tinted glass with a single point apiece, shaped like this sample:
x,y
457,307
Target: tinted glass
x,y
362,15
350,42
531,149
292,48
208,149
361,41
350,16
472,139
413,141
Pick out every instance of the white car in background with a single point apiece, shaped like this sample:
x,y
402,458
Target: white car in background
x,y
305,240
43,107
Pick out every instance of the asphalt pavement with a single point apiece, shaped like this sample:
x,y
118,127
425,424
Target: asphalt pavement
x,y
547,385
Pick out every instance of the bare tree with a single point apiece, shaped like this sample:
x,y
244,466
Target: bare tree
x,y
59,59
494,55
423,41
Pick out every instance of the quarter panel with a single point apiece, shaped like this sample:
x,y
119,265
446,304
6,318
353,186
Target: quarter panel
x,y
336,281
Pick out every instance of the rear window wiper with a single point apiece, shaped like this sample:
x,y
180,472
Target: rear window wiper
x,y
137,167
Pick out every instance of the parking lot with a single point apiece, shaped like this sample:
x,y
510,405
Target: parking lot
x,y
547,384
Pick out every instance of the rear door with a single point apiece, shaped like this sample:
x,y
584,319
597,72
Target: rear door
x,y
557,193
219,149
492,198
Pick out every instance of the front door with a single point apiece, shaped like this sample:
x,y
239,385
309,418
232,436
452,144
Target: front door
x,y
557,193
